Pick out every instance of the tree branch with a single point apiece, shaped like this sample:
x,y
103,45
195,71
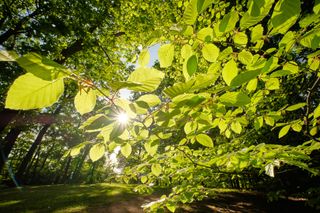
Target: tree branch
x,y
308,99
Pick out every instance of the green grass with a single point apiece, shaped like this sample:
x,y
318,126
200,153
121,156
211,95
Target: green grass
x,y
63,198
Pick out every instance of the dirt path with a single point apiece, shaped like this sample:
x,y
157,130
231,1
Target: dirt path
x,y
231,202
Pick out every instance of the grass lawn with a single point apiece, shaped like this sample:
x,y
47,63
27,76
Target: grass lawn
x,y
65,198
118,198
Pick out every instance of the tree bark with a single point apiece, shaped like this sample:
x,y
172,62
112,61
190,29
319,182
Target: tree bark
x,y
6,116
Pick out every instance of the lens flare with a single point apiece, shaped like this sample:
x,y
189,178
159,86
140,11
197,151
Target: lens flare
x,y
123,118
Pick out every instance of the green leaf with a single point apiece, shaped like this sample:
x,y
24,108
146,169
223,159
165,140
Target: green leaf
x,y
258,123
85,101
204,140
296,127
288,40
144,58
230,71
256,33
316,112
240,38
205,34
257,10
210,52
234,99
126,150
42,67
295,107
149,79
269,120
190,100
166,55
228,22
97,151
156,169
236,127
179,88
194,8
186,51
314,131
30,92
252,85
171,206
151,147
272,84
316,8
191,12
245,57
192,65
148,100
311,39
244,77
144,179
284,130
190,127
8,55
285,14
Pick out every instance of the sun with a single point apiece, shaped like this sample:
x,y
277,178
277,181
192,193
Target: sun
x,y
123,118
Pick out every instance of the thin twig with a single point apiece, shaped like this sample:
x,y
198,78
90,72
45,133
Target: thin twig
x,y
309,93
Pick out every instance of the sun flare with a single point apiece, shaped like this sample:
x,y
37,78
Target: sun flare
x,y
123,118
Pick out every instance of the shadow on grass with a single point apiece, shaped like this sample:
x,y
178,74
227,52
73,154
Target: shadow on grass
x,y
63,198
233,201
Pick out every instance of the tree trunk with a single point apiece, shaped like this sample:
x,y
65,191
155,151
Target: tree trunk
x,y
26,160
6,116
66,169
77,171
7,145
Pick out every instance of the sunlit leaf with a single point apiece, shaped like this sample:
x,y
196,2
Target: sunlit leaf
x,y
284,130
295,107
42,67
156,169
144,58
147,101
230,71
257,10
126,150
31,92
85,101
192,65
272,84
8,55
204,140
166,55
240,38
285,14
244,77
234,99
97,151
236,127
149,79
210,52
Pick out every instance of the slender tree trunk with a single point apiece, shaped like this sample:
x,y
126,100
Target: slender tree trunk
x,y
66,170
31,175
77,171
92,172
26,160
7,145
